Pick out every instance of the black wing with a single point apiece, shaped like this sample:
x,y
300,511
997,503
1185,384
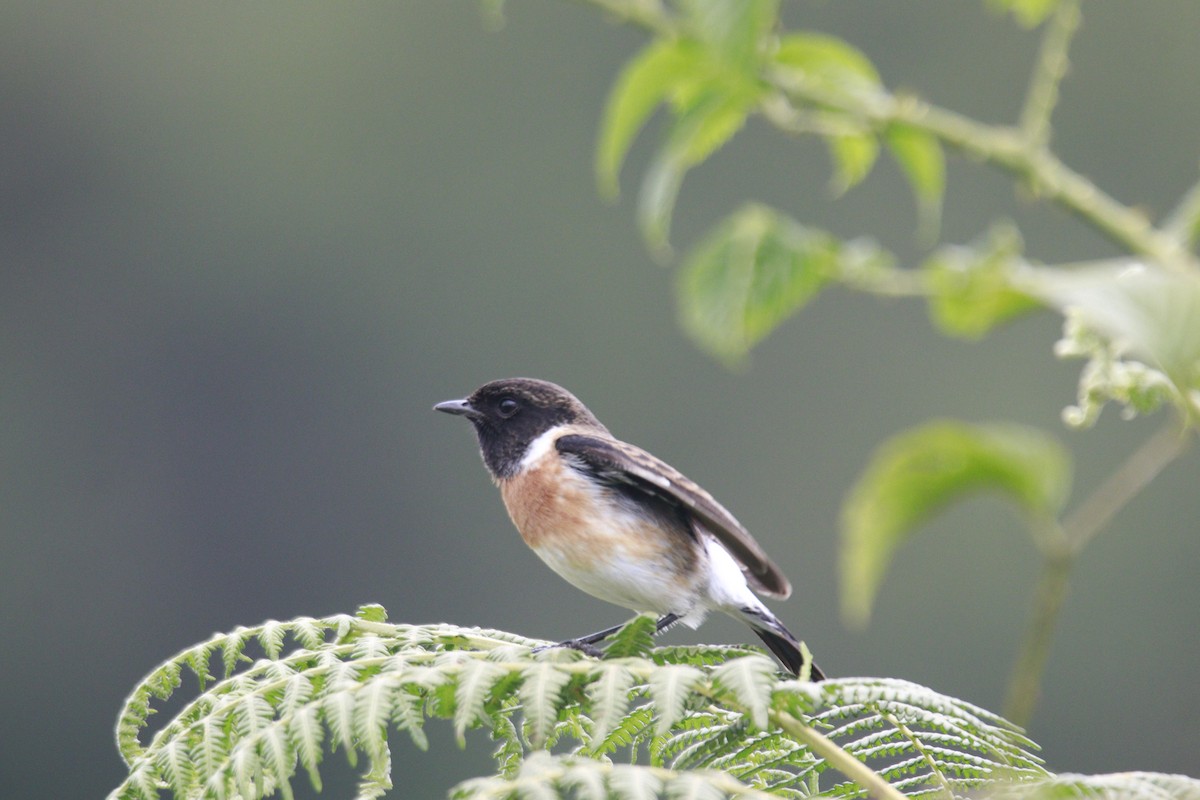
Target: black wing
x,y
621,463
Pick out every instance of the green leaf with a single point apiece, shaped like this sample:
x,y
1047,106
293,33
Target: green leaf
x,y
827,62
1123,785
919,472
608,695
1150,313
671,687
647,81
708,121
371,612
749,274
1029,13
749,680
635,639
540,693
919,155
853,156
974,289
471,692
733,32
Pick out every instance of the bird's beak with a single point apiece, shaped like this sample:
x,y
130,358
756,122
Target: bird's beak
x,y
459,408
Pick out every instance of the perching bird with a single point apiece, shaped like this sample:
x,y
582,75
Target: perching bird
x,y
617,522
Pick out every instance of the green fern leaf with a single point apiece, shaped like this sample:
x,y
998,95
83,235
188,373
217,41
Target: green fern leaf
x,y
231,649
608,697
407,716
270,637
474,683
749,680
338,710
278,758
634,783
247,769
635,728
378,779
634,640
540,692
175,766
1118,786
670,688
373,710
306,735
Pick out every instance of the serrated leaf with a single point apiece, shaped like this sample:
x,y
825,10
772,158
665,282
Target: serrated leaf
x,y
540,692
749,680
306,734
175,765
635,639
917,473
645,82
270,636
407,716
1123,785
920,157
635,783
750,273
471,692
372,714
338,710
973,289
278,757
608,698
231,649
670,688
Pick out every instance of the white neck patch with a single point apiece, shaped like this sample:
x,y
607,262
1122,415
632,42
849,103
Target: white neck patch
x,y
539,447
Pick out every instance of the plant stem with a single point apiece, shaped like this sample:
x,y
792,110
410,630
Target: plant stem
x,y
836,756
1142,466
1051,67
1061,549
1025,682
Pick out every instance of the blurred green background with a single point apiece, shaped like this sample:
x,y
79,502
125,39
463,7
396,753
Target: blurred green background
x,y
246,246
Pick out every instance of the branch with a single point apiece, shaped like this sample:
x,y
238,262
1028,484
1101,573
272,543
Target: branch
x,y
1051,67
1142,466
1005,147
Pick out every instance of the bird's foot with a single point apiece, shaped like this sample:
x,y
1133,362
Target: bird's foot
x,y
582,645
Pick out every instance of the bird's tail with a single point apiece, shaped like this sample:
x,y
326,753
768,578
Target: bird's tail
x,y
780,641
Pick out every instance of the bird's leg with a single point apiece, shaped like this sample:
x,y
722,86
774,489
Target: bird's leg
x,y
587,644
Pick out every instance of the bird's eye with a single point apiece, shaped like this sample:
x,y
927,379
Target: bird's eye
x,y
508,407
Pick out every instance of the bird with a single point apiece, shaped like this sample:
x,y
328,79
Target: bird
x,y
619,523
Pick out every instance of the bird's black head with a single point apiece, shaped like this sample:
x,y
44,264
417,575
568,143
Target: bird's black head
x,y
510,413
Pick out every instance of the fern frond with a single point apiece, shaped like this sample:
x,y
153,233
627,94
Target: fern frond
x,y
670,687
550,776
634,640
1116,786
540,694
609,697
349,682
